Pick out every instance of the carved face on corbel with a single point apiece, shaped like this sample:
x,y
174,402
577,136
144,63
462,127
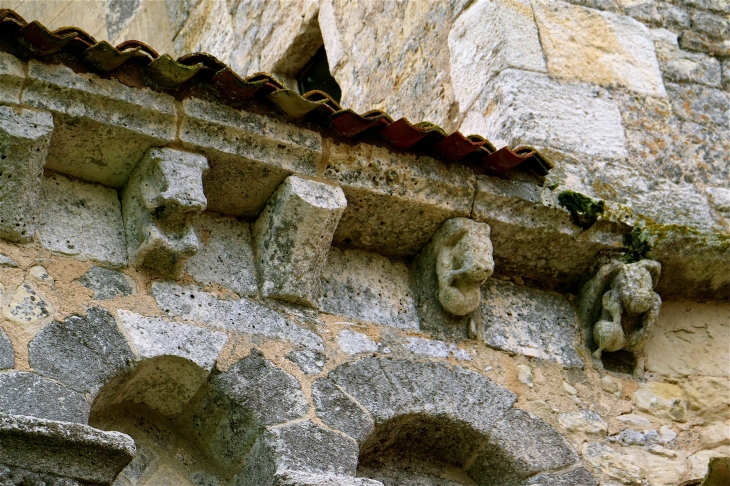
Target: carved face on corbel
x,y
635,283
463,263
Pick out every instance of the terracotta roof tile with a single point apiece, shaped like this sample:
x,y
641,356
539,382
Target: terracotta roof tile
x,y
137,64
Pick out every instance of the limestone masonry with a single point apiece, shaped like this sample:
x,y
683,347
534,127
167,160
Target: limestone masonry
x,y
208,280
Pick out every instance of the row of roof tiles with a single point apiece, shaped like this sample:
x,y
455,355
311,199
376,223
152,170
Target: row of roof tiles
x,y
140,65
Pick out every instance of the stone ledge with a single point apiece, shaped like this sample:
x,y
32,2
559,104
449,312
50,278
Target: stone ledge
x,y
64,449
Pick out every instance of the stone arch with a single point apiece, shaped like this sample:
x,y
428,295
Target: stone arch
x,y
408,415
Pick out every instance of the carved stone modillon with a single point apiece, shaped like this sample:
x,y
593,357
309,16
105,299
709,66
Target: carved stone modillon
x,y
163,195
449,274
618,308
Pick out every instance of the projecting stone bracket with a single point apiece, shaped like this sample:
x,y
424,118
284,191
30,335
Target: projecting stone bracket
x,y
451,270
163,195
618,308
292,237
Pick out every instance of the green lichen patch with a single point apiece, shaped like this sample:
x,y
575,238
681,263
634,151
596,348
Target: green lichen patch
x,y
636,245
584,210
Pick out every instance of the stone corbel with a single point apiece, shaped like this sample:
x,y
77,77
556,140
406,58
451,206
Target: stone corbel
x,y
163,195
618,308
451,270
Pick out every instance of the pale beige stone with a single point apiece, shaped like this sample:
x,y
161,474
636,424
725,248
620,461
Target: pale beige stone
x,y
697,464
12,76
85,14
597,47
569,389
524,375
663,400
662,471
583,421
612,385
685,330
608,463
29,309
709,397
714,435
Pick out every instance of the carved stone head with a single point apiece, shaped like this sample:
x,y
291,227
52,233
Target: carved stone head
x,y
635,283
463,263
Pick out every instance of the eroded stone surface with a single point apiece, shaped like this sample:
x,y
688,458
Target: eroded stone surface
x,y
577,477
338,411
225,254
597,47
82,220
7,355
107,284
25,136
309,361
293,235
164,194
395,202
530,322
306,479
662,400
12,76
242,315
369,287
512,453
102,126
35,396
707,396
584,421
28,309
6,261
242,147
355,342
81,352
68,450
604,460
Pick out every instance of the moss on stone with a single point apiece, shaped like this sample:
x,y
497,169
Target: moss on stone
x,y
636,245
584,210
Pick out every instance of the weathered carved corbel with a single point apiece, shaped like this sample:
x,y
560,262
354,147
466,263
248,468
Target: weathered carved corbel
x,y
163,195
451,270
618,308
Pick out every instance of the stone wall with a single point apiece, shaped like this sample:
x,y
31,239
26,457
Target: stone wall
x,y
255,302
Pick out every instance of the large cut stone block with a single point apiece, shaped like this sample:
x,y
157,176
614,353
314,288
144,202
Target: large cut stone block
x,y
589,45
337,410
526,108
24,139
163,196
369,287
487,38
102,126
12,77
529,322
293,235
35,396
395,202
225,254
68,450
7,355
519,446
244,147
82,220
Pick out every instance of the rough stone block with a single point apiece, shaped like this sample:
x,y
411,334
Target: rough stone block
x,y
519,446
24,139
576,477
28,309
337,410
243,315
12,77
163,195
225,254
309,361
707,396
524,108
662,400
81,352
82,220
684,67
395,202
102,126
108,284
236,405
293,235
584,421
535,238
63,449
597,47
303,447
295,478
6,261
369,287
355,342
530,322
700,104
487,38
436,349
244,147
7,355
32,395
389,388
605,461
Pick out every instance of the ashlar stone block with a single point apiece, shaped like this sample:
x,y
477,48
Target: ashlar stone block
x,y
163,196
244,147
30,394
592,46
25,136
12,77
81,220
293,235
103,128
